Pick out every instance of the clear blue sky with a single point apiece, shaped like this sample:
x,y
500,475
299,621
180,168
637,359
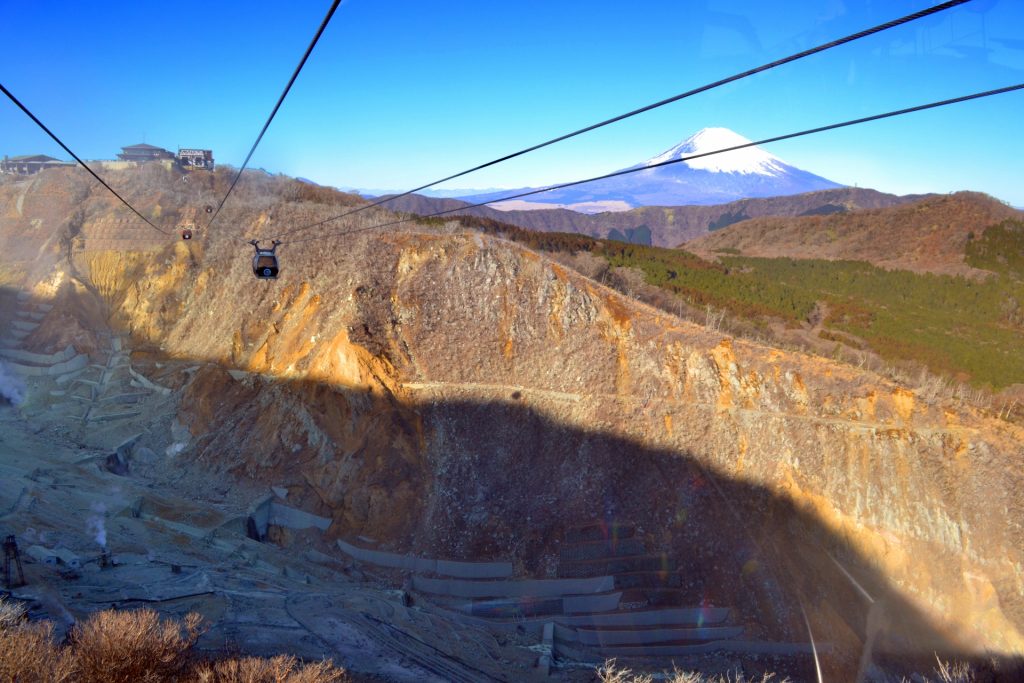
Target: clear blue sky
x,y
400,92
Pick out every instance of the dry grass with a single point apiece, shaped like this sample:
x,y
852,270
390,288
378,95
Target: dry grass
x,y
135,647
11,614
28,653
122,647
954,672
280,669
610,672
961,672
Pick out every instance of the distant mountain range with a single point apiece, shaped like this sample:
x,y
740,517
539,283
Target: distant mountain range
x,y
713,179
667,226
441,194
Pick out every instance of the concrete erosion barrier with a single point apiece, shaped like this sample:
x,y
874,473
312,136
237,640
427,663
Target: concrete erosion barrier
x,y
265,512
680,616
650,636
293,518
76,363
736,646
146,383
584,604
39,358
513,608
537,588
27,370
464,570
573,611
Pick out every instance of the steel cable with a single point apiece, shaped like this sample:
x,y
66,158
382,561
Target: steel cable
x,y
67,149
788,136
675,98
273,113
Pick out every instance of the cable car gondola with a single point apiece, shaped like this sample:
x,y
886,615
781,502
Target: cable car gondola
x,y
264,263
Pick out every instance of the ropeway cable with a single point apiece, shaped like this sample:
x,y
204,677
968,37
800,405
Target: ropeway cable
x,y
67,149
675,98
810,634
280,100
788,136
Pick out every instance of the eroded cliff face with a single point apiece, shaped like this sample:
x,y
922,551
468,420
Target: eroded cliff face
x,y
921,493
456,395
461,396
305,407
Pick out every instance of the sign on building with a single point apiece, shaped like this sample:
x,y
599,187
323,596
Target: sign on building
x,y
191,159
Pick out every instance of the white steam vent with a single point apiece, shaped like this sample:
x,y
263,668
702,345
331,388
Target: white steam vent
x,y
12,388
96,526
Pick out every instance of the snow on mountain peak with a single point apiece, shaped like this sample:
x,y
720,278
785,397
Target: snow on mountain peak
x,y
747,160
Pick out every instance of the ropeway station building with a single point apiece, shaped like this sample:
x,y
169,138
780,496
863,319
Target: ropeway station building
x,y
29,164
187,159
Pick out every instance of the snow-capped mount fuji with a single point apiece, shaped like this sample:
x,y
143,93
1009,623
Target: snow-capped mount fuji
x,y
714,179
708,140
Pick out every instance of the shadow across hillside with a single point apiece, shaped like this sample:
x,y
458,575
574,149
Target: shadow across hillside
x,y
502,478
517,479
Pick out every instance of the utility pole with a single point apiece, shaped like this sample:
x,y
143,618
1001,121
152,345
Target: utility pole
x,y
11,557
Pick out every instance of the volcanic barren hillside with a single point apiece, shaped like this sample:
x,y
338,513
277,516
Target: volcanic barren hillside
x,y
929,235
456,395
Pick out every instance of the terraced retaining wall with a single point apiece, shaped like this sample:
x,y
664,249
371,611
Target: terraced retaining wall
x,y
465,570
